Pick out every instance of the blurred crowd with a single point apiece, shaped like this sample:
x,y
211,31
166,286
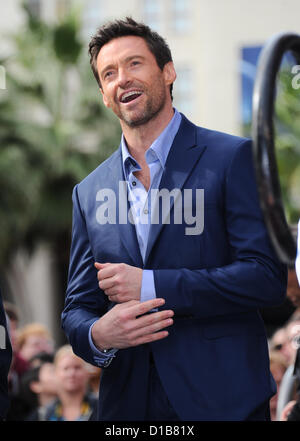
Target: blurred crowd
x,y
48,383
284,356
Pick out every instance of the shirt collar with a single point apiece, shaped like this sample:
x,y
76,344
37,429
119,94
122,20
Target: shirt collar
x,y
159,149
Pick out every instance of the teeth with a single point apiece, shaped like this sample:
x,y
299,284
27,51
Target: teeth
x,y
128,94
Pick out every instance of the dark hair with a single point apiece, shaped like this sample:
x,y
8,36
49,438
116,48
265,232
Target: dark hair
x,y
27,400
40,358
121,28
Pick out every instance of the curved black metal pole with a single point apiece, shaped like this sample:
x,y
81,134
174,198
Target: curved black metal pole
x,y
263,143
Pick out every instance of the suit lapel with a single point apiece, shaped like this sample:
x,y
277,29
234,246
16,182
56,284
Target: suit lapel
x,y
183,157
116,182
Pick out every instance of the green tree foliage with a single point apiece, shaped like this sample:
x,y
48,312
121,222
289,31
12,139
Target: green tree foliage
x,y
287,128
54,130
287,140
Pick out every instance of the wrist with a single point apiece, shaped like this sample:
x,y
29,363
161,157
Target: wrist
x,y
97,338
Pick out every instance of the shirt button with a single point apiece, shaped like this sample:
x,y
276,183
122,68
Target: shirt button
x,y
146,211
134,183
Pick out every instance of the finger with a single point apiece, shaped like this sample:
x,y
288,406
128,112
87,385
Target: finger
x,y
154,327
152,319
118,299
112,292
121,304
150,338
106,284
144,307
112,297
99,265
109,270
128,304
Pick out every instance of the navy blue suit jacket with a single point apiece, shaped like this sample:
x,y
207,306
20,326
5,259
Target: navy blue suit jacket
x,y
214,364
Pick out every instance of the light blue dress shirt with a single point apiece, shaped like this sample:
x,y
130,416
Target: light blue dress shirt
x,y
140,206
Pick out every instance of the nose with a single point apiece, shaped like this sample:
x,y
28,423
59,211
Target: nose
x,y
124,78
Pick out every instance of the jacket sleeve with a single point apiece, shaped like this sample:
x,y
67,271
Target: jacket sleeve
x,y
253,279
84,302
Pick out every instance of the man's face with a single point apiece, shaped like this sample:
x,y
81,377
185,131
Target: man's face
x,y
133,85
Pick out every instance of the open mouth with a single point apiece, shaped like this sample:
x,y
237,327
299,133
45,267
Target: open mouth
x,y
128,97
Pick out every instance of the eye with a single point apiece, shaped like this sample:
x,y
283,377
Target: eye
x,y
135,63
107,74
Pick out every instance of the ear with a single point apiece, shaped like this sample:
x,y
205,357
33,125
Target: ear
x,y
105,100
169,73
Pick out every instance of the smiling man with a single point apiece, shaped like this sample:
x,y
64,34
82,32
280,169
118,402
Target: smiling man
x,y
169,312
142,100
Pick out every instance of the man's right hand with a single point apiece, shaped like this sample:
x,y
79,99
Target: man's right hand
x,y
125,325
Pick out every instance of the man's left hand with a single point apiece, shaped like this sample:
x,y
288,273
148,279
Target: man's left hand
x,y
119,281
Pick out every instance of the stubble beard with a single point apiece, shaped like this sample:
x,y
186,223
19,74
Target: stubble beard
x,y
154,104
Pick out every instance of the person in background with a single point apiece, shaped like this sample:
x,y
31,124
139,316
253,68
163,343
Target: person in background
x,y
292,338
283,339
43,385
18,365
32,339
278,343
278,366
74,403
13,314
5,361
291,412
40,358
29,341
94,379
